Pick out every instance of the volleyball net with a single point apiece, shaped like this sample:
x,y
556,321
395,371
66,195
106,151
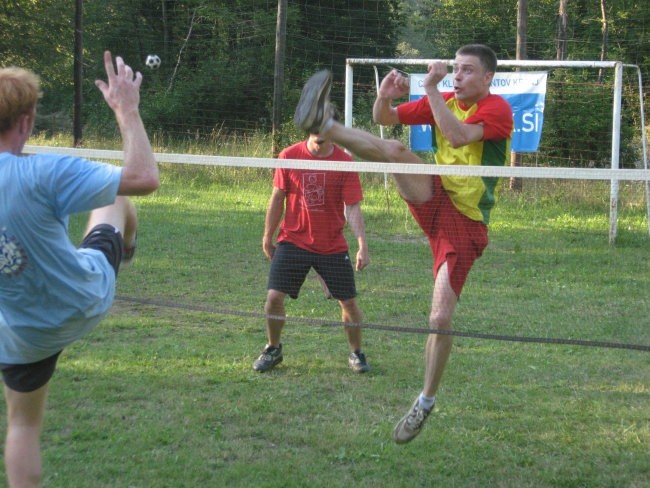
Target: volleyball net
x,y
549,273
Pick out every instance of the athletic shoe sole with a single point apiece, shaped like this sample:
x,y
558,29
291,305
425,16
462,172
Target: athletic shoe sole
x,y
313,106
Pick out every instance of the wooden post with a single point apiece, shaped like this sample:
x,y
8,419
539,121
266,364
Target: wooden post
x,y
562,22
522,30
78,74
605,30
278,78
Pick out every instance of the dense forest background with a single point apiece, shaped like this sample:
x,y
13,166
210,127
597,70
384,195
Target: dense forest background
x,y
218,56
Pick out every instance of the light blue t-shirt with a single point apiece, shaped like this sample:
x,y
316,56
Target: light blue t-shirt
x,y
51,293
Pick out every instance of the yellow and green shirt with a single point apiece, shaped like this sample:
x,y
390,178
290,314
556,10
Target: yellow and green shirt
x,y
473,196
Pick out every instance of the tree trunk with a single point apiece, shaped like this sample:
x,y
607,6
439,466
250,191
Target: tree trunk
x,y
165,52
605,29
561,32
522,31
78,74
278,81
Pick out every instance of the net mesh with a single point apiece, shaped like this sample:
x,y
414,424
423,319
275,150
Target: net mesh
x,y
548,272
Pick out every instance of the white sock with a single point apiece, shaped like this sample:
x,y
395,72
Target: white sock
x,y
426,402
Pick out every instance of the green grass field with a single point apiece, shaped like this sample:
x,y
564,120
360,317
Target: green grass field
x,y
166,397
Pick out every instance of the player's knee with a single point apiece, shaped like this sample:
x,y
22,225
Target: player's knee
x,y
440,321
274,301
395,150
349,306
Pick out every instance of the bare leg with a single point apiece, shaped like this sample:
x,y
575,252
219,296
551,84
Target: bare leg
x,y
274,308
121,214
351,314
436,355
438,346
414,188
25,412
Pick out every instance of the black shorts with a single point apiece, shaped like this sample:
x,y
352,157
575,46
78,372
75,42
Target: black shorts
x,y
108,240
31,376
290,265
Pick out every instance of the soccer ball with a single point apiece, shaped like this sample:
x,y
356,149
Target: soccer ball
x,y
153,61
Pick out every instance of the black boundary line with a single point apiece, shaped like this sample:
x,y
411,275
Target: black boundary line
x,y
412,330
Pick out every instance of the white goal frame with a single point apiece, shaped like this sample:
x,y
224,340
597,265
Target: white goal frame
x,y
617,66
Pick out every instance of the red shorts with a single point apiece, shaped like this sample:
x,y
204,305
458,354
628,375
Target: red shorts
x,y
454,238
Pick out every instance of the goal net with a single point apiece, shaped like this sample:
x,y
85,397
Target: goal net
x,y
579,102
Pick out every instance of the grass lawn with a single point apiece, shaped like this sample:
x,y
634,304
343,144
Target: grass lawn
x,y
166,397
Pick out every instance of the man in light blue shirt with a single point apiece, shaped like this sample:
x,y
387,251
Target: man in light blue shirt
x,y
51,293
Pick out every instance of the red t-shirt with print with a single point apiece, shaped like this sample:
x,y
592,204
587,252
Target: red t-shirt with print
x,y
314,215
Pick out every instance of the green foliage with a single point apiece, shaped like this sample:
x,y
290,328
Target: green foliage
x,y
439,28
208,50
38,35
578,121
323,34
218,56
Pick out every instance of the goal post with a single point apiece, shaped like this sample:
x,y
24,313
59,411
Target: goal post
x,y
615,143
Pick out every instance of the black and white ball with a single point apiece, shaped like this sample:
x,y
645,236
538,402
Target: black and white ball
x,y
153,61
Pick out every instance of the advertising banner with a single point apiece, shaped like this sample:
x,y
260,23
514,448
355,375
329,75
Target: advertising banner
x,y
524,91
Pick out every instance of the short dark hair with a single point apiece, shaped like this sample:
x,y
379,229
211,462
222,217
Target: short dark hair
x,y
486,55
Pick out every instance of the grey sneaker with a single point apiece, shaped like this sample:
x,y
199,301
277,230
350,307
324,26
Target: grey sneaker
x,y
411,424
268,359
357,362
313,112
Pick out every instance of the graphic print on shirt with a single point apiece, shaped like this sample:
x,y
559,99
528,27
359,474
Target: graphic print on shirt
x,y
313,189
13,258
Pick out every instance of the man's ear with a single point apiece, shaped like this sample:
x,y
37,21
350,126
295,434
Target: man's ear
x,y
26,123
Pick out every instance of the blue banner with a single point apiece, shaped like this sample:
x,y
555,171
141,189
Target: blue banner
x,y
524,91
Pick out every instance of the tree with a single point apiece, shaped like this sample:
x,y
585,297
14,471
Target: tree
x,y
561,31
46,50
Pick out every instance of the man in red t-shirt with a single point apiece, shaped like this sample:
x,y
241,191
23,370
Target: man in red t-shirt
x,y
315,204
471,127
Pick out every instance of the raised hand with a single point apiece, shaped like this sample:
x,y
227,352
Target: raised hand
x,y
122,91
436,72
394,85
